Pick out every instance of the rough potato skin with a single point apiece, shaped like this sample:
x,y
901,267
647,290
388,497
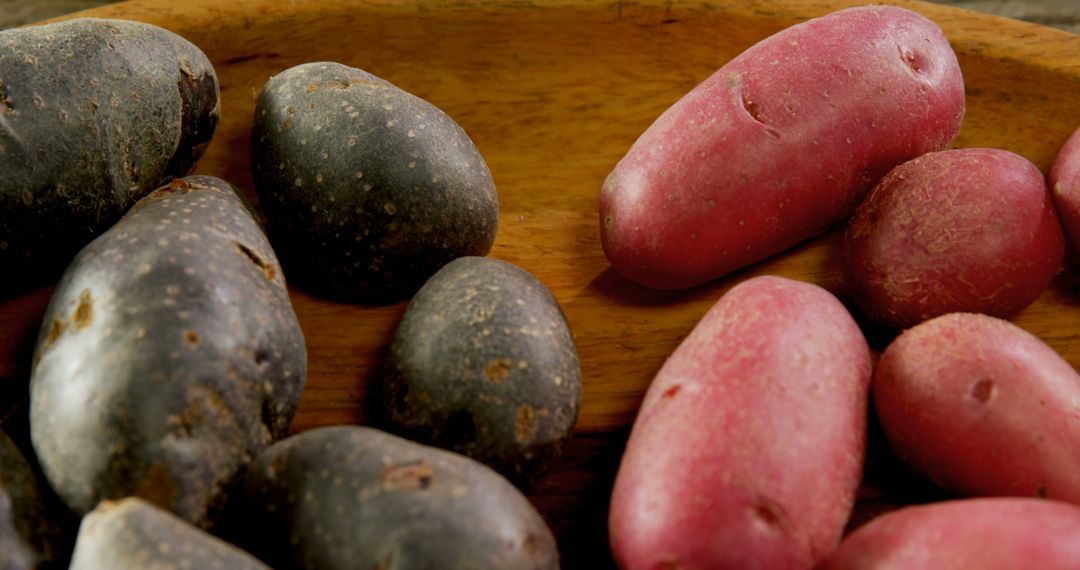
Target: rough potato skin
x,y
989,534
368,189
353,497
1064,180
483,363
29,538
132,534
971,230
779,144
169,356
94,114
749,446
981,407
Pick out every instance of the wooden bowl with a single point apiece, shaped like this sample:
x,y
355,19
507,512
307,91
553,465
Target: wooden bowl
x,y
554,93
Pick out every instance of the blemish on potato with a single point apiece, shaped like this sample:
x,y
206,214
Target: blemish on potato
x,y
984,390
525,426
84,312
498,369
769,512
409,477
55,330
191,337
672,391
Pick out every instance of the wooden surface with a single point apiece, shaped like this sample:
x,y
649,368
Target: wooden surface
x,y
553,94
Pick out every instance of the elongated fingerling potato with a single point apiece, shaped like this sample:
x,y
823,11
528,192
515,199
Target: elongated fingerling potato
x,y
749,445
780,143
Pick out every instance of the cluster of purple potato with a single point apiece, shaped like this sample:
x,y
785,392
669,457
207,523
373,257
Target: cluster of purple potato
x,y
749,446
170,362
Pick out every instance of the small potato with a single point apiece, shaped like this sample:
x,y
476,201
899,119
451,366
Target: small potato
x,y
347,497
779,144
1064,180
484,364
749,446
982,407
368,189
965,230
94,114
169,356
984,534
132,534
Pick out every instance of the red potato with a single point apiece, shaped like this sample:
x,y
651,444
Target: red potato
x,y
982,407
1064,181
970,230
780,143
985,534
749,445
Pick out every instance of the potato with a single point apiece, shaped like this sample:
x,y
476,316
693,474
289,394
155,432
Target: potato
x,y
989,534
1064,180
780,143
169,355
483,363
132,534
355,497
94,114
749,445
369,189
981,407
29,535
970,230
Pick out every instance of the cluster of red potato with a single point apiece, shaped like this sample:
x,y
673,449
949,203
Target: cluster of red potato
x,y
750,444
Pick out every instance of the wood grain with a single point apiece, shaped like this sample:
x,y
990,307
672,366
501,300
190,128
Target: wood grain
x,y
553,93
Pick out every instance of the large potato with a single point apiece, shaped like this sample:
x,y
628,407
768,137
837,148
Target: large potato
x,y
169,355
369,189
749,445
780,143
349,497
94,114
982,407
984,534
484,364
970,230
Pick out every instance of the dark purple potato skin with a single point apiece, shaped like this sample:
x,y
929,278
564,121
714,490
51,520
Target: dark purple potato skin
x,y
368,189
354,497
29,535
132,534
169,356
94,114
483,363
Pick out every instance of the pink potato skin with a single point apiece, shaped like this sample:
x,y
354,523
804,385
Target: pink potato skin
x,y
749,445
970,230
1002,533
982,407
1064,179
779,144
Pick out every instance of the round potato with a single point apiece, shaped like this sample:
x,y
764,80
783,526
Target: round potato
x,y
964,230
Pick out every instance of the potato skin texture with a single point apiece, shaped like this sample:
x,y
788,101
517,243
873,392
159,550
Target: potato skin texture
x,y
355,497
368,189
132,534
1001,533
981,407
964,230
749,446
780,143
169,356
1064,181
94,114
484,364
